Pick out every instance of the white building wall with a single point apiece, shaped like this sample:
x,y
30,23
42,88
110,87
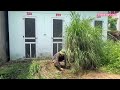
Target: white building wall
x,y
118,21
43,30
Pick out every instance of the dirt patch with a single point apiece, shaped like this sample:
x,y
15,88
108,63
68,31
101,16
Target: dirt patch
x,y
100,75
48,71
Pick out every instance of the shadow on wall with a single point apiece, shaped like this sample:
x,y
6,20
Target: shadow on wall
x,y
4,37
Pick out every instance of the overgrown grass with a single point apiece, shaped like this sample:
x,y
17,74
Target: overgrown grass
x,y
20,70
112,57
83,43
34,69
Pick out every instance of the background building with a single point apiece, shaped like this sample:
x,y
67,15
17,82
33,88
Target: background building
x,y
35,34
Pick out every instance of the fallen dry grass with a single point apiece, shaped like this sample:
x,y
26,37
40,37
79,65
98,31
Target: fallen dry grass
x,y
48,71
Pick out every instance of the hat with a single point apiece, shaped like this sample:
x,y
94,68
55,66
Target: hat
x,y
62,51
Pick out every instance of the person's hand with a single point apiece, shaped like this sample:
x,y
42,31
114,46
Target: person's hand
x,y
53,61
61,69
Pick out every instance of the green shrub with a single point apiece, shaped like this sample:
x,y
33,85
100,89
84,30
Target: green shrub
x,y
112,56
1,77
9,72
34,68
112,51
17,70
20,70
112,23
83,43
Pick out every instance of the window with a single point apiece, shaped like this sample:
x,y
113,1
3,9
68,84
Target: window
x,y
57,28
98,24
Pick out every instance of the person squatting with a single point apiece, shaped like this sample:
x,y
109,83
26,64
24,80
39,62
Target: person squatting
x,y
59,58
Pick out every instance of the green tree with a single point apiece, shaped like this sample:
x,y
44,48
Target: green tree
x,y
112,23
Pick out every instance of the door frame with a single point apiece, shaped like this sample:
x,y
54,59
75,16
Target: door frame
x,y
30,37
58,18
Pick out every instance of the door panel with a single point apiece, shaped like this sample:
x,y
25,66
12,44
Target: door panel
x,y
27,50
29,27
30,38
33,50
54,48
59,46
57,28
57,35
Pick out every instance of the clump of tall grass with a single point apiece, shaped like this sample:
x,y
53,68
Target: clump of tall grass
x,y
34,69
112,54
83,43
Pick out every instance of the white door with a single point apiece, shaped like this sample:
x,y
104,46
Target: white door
x,y
57,35
30,38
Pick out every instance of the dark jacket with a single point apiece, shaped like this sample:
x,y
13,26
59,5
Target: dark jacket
x,y
59,57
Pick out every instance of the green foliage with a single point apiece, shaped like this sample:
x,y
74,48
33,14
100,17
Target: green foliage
x,y
12,71
112,51
112,56
34,68
1,77
83,43
112,23
20,70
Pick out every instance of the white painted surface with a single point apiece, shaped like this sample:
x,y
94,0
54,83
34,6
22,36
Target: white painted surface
x,y
44,44
118,21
